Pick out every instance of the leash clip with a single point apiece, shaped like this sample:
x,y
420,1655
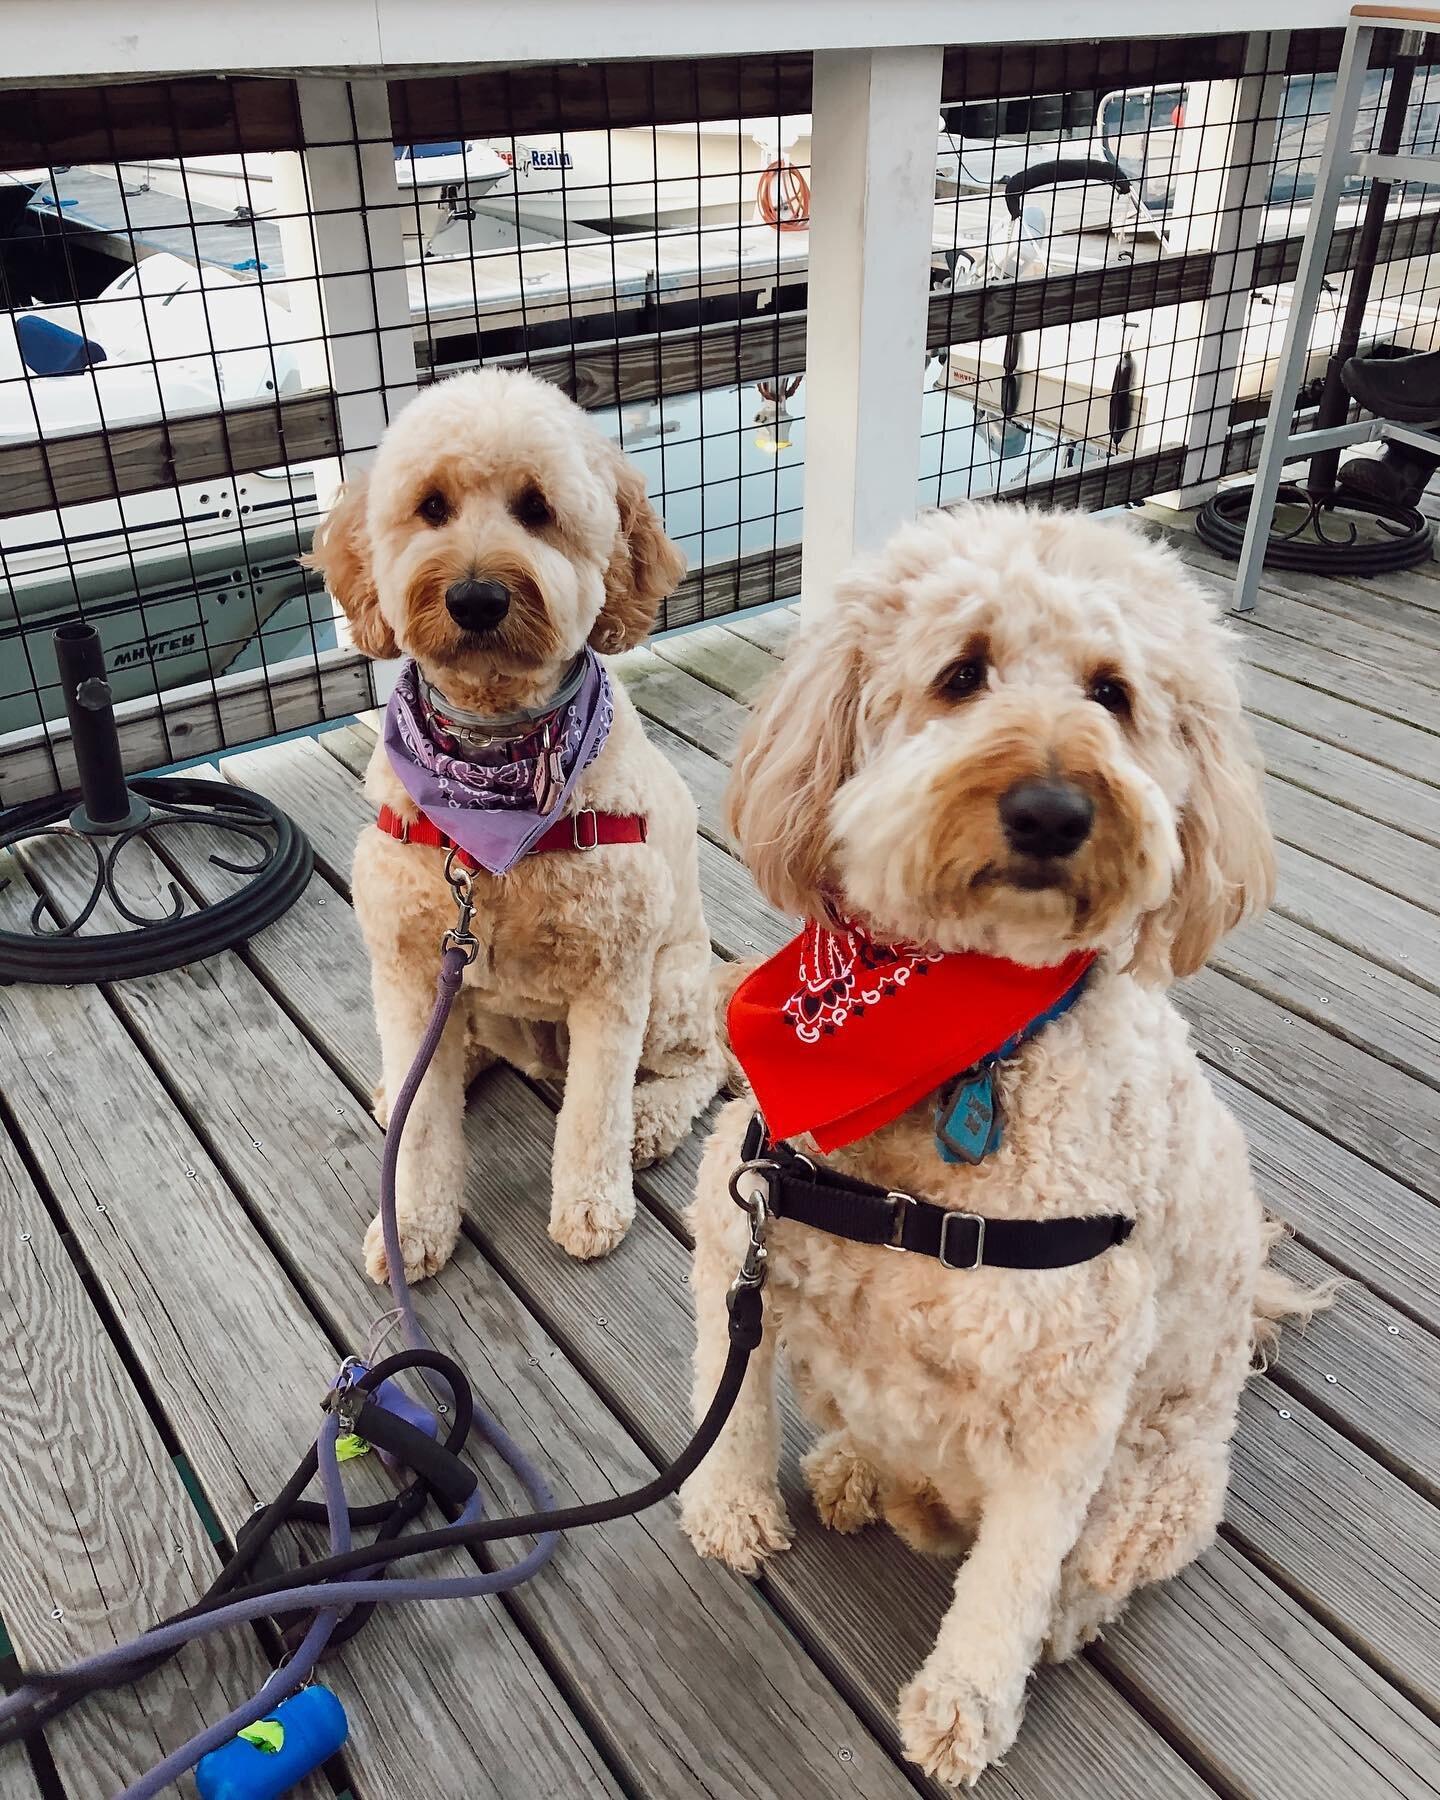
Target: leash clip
x,y
462,883
344,1398
756,1204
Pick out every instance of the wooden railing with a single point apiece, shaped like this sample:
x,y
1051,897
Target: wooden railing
x,y
184,117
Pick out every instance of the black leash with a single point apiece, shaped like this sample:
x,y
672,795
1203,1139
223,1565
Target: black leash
x,y
441,1475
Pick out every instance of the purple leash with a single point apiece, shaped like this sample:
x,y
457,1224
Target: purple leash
x,y
333,1599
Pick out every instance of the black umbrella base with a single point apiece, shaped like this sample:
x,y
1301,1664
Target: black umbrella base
x,y
1330,532
269,852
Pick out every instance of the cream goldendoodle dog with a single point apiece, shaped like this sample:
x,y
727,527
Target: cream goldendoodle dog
x,y
1018,735
499,543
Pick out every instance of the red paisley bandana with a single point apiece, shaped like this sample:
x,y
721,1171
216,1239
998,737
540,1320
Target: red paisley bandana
x,y
839,1035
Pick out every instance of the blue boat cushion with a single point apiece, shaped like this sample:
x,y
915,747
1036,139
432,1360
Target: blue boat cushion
x,y
51,349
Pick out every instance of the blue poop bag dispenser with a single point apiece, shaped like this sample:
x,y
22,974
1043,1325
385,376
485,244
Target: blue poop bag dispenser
x,y
277,1752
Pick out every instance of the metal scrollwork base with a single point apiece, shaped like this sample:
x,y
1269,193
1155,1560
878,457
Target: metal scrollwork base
x,y
1329,531
269,851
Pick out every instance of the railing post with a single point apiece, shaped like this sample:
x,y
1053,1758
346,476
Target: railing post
x,y
345,265
1227,162
875,117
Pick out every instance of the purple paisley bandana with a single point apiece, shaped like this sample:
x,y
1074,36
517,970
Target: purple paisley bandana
x,y
496,799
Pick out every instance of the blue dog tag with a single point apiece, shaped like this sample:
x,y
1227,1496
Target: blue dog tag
x,y
967,1123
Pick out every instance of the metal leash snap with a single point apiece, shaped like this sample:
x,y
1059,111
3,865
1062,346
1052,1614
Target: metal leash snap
x,y
756,1205
462,884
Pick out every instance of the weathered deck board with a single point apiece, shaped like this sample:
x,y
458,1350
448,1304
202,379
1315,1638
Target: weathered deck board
x,y
1359,785
1383,927
1408,605
182,1263
1218,1639
722,659
316,1206
1385,1114
1387,1014
1360,1547
17,1778
1334,719
1369,1370
1360,1217
97,1536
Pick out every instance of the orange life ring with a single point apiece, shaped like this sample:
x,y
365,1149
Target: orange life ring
x,y
783,196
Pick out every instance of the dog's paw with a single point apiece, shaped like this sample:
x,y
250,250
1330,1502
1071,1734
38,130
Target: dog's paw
x,y
1077,1620
380,1105
1151,1535
426,1247
664,1113
589,1225
738,1529
844,1487
951,1729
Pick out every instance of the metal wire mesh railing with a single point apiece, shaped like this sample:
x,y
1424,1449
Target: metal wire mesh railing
x,y
214,294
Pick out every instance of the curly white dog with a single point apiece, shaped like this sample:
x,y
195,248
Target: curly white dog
x,y
1016,734
499,543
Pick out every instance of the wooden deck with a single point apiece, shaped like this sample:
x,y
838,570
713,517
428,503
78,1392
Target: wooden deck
x,y
187,1164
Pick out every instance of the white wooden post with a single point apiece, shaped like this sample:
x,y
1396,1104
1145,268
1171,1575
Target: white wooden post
x,y
875,117
1227,156
345,266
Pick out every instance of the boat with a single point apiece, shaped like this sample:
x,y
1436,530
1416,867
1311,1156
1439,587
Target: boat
x,y
1123,384
179,580
631,179
439,183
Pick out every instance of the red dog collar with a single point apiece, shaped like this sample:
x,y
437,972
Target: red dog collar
x,y
586,830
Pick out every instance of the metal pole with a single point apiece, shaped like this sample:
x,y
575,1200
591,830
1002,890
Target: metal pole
x,y
1334,401
1275,450
107,805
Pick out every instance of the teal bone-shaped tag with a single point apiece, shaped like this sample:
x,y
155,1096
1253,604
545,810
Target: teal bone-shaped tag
x,y
967,1120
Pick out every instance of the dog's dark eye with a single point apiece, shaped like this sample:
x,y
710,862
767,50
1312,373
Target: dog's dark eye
x,y
532,509
435,508
964,678
1111,693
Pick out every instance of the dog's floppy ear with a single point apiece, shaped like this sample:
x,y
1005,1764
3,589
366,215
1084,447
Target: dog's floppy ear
x,y
342,555
1228,858
644,565
798,748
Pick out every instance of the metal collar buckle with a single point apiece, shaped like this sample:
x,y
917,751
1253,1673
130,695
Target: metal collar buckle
x,y
945,1225
579,842
903,1203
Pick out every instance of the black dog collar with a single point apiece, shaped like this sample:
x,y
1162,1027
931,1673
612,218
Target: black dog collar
x,y
816,1195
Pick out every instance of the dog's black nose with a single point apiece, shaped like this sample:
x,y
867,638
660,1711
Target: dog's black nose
x,y
1046,818
477,605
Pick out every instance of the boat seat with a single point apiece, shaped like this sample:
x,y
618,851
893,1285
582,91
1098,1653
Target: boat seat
x,y
51,349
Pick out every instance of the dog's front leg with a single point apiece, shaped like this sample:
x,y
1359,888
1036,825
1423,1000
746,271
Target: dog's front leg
x,y
593,1196
731,1507
964,1707
430,1179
